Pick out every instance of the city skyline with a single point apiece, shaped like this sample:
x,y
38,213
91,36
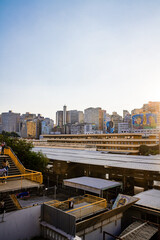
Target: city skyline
x,y
80,54
83,111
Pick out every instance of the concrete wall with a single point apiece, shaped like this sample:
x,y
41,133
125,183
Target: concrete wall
x,y
95,232
21,224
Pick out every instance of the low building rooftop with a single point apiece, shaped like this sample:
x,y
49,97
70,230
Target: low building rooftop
x,y
146,163
95,185
150,199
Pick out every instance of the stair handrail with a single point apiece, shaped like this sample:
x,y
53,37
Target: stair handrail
x,y
22,166
15,201
32,175
16,156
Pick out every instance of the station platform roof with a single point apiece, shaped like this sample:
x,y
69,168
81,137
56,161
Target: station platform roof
x,y
95,185
145,163
149,199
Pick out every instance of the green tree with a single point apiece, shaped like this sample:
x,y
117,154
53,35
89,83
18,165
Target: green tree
x,y
8,134
23,150
148,150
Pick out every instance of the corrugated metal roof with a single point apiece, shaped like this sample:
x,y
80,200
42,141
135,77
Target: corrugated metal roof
x,y
90,182
149,163
150,198
138,231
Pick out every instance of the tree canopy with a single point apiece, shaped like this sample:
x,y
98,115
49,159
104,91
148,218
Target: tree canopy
x,y
23,150
148,150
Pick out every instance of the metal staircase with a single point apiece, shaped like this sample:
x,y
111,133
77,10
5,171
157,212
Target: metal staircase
x,y
13,170
9,203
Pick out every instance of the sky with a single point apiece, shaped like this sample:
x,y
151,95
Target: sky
x,y
79,53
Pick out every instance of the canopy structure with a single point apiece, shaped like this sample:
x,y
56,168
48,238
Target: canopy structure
x,y
94,185
144,163
149,199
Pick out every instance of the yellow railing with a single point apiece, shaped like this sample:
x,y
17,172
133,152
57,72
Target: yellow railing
x,y
92,204
52,202
16,203
36,177
25,173
88,209
14,158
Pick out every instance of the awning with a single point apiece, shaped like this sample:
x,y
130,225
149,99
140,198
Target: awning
x,y
95,185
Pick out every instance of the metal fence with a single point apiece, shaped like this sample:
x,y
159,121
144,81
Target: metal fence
x,y
59,219
82,205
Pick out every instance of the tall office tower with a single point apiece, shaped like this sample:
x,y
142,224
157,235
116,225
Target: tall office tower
x,y
47,126
64,115
153,107
33,128
80,116
94,115
74,116
59,118
23,128
146,120
116,118
28,116
10,121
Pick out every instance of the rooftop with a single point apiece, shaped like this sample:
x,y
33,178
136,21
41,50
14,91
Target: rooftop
x,y
91,184
146,163
149,199
139,231
80,206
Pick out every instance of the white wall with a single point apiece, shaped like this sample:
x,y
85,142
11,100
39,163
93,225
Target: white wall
x,y
21,224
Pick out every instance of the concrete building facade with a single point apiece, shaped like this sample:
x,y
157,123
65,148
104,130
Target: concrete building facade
x,y
116,118
124,127
59,118
146,120
10,121
47,126
95,116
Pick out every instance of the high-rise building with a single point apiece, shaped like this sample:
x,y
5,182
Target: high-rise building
x,y
125,126
94,115
10,121
80,116
146,120
59,119
74,116
47,126
28,116
116,118
33,128
68,117
64,115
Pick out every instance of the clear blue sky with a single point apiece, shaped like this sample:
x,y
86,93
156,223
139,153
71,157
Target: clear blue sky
x,y
82,53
